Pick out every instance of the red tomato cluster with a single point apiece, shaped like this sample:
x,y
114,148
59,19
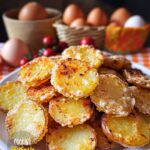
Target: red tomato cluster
x,y
51,48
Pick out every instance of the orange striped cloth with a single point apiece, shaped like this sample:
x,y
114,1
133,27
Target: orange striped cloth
x,y
143,58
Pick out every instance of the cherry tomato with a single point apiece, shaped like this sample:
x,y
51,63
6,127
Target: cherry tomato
x,y
48,52
23,61
86,41
48,40
62,45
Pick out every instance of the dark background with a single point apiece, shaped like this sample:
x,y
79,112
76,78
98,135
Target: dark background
x,y
140,7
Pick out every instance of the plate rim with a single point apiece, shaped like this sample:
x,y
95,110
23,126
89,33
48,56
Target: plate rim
x,y
3,145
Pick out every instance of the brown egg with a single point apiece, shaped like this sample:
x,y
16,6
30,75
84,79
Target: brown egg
x,y
120,15
79,22
32,11
71,13
97,17
13,50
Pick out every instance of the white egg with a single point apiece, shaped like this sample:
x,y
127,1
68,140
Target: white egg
x,y
135,21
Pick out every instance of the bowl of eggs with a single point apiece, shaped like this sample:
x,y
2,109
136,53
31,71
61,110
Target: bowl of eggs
x,y
74,25
31,23
125,33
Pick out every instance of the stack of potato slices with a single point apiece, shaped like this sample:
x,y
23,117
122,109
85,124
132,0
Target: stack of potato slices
x,y
80,100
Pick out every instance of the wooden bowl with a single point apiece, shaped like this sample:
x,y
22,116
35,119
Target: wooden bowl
x,y
31,32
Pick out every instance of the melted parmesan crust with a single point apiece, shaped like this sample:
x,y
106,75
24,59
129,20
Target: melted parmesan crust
x,y
136,77
105,70
36,72
84,53
130,131
10,94
27,117
74,78
81,137
112,96
69,112
116,62
142,98
41,94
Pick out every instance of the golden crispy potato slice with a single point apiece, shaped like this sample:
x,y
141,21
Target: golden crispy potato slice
x,y
105,70
36,72
27,121
142,99
136,77
129,131
74,78
56,57
85,53
103,143
81,137
70,112
112,96
116,62
147,119
41,94
10,94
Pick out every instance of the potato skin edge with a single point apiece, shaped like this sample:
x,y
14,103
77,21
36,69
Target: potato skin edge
x,y
110,136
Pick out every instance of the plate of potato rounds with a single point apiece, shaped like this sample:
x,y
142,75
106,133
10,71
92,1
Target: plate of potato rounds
x,y
82,99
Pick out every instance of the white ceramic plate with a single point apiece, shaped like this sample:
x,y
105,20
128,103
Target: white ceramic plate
x,y
4,140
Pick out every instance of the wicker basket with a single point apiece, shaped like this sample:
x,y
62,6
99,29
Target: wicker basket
x,y
73,35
